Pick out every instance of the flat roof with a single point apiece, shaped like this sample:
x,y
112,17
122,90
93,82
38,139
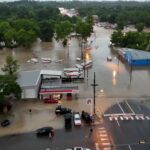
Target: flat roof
x,y
28,78
136,54
31,78
51,72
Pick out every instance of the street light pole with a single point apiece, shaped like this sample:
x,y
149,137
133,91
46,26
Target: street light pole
x,y
94,86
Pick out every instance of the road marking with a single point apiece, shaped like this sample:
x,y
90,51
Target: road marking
x,y
107,148
129,147
120,107
102,132
101,128
103,135
131,118
121,118
110,118
104,139
105,144
118,123
97,146
130,107
147,117
118,114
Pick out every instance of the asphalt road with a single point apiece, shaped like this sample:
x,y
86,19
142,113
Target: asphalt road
x,y
63,139
126,134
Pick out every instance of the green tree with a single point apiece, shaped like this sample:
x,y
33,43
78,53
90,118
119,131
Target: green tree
x,y
117,38
10,38
46,31
4,27
84,29
11,67
63,30
139,27
25,38
9,91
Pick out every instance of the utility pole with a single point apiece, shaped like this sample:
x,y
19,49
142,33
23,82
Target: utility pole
x,y
94,86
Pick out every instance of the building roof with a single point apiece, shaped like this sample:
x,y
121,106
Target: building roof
x,y
28,78
137,54
31,78
51,72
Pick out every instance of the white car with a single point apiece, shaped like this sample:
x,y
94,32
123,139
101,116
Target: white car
x,y
77,119
109,58
80,148
72,74
79,66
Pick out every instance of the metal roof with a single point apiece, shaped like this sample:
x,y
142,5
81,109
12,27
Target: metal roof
x,y
51,72
31,78
28,78
137,54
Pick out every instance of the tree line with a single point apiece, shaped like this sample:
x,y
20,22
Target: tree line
x,y
22,22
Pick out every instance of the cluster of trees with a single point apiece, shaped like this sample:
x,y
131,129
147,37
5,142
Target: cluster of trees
x,y
135,40
22,22
9,88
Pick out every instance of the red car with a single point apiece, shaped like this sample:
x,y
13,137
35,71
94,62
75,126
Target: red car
x,y
50,101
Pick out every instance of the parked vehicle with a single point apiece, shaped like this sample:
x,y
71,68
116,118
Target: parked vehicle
x,y
86,117
50,101
69,96
62,110
68,120
72,74
45,131
109,58
5,123
77,119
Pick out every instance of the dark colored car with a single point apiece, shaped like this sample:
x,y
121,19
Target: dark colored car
x,y
86,117
50,101
45,131
68,120
5,123
62,110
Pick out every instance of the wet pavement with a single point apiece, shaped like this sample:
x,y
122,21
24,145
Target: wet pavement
x,y
114,79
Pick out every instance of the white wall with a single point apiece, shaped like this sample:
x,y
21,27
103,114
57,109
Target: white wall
x,y
29,93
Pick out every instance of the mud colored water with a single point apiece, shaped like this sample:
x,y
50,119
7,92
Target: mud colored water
x,y
114,78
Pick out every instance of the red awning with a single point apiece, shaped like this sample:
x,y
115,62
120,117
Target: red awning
x,y
42,92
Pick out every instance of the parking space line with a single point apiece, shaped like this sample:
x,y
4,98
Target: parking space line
x,y
120,107
129,147
129,107
118,123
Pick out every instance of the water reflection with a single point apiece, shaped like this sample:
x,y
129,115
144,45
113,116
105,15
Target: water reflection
x,y
114,73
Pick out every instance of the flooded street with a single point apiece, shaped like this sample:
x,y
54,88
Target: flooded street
x,y
114,78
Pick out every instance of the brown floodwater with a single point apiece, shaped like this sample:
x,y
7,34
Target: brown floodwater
x,y
114,78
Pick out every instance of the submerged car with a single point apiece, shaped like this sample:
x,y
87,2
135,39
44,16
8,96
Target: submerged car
x,y
86,117
50,101
62,110
45,131
5,123
109,58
